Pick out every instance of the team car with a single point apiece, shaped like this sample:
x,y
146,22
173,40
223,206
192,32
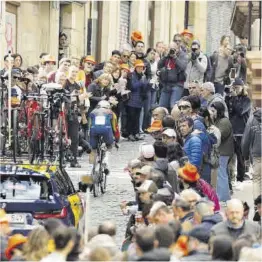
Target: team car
x,y
32,193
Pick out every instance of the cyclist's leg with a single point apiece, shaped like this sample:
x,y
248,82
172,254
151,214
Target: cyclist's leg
x,y
109,140
93,144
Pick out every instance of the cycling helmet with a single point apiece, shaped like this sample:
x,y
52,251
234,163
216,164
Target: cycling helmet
x,y
104,104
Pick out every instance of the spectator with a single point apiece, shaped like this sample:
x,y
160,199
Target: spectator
x,y
14,251
169,122
258,208
187,37
221,248
108,68
191,196
226,149
147,154
98,254
235,225
62,45
172,75
125,55
205,217
251,148
208,93
169,136
197,246
4,232
197,64
138,87
159,113
160,213
192,143
64,65
108,228
36,247
222,62
132,61
250,254
114,59
18,61
195,89
159,50
146,247
78,247
64,240
164,236
146,190
60,78
242,241
189,178
239,106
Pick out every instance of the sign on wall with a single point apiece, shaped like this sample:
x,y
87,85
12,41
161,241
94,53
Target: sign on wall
x,y
10,32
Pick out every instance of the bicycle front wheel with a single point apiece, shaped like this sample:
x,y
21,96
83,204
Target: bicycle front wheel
x,y
15,135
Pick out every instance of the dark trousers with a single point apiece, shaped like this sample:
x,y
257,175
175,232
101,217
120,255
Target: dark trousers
x,y
241,168
133,115
73,130
219,88
123,118
147,111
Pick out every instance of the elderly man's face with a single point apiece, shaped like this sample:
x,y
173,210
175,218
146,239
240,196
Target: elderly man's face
x,y
194,89
235,214
158,114
163,218
145,197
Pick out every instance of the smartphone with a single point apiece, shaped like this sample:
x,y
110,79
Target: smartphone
x,y
233,73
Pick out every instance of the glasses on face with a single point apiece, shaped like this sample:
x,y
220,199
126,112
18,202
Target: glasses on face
x,y
183,107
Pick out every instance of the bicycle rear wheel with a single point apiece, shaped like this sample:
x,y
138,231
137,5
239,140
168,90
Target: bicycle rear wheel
x,y
102,174
15,135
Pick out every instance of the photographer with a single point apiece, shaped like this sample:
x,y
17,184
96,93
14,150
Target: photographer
x,y
172,75
197,65
239,107
240,63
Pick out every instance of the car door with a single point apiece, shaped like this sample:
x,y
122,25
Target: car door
x,y
73,198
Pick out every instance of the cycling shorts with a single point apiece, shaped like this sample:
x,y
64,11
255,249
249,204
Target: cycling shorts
x,y
106,133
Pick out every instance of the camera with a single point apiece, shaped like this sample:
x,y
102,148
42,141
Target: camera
x,y
172,51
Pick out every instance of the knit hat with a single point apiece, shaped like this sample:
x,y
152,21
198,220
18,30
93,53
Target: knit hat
x,y
209,86
125,67
188,33
136,36
139,63
90,59
188,173
155,126
147,186
238,82
13,242
147,151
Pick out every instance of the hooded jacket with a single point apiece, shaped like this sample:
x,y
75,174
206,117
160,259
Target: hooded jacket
x,y
218,98
239,111
251,140
157,254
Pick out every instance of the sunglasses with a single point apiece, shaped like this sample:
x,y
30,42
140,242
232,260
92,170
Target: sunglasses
x,y
182,107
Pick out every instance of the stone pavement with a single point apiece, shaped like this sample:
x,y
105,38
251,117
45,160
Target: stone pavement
x,y
119,187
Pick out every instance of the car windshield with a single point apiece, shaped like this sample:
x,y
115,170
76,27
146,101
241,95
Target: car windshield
x,y
24,187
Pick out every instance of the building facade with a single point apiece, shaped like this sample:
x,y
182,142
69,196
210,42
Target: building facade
x,y
98,27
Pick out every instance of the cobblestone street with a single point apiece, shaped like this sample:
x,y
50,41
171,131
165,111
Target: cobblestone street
x,y
119,188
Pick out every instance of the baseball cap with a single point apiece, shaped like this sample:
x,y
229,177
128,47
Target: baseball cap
x,y
147,186
147,151
238,82
155,208
145,170
209,86
169,132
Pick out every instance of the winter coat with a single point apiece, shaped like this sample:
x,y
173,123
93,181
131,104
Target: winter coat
x,y
177,75
239,110
97,92
193,149
224,228
214,63
218,98
251,140
157,254
208,191
197,256
226,147
138,87
196,69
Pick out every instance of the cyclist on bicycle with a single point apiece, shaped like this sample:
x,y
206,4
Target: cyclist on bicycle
x,y
103,123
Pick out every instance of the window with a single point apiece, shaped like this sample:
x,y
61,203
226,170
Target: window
x,y
64,183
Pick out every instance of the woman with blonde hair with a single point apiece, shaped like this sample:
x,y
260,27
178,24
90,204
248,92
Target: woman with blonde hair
x,y
100,89
36,246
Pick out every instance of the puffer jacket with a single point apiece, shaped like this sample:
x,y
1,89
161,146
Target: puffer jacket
x,y
138,87
193,149
251,141
208,191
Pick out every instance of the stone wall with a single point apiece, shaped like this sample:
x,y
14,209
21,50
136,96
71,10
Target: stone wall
x,y
218,23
